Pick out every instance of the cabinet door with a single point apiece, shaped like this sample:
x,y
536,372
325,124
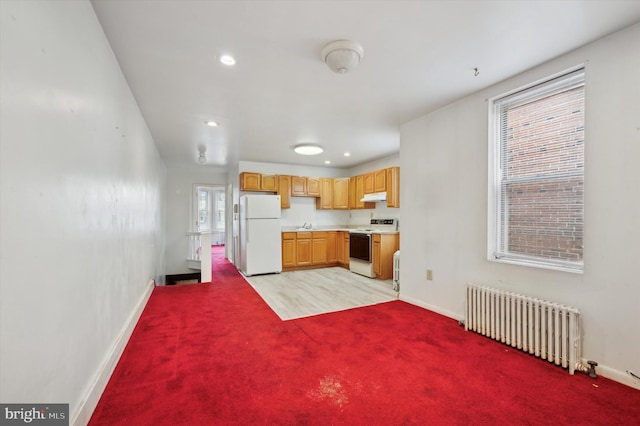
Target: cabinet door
x,y
387,245
325,202
284,190
332,247
340,247
393,186
341,193
288,250
250,181
369,183
269,183
298,186
313,187
360,193
380,178
346,249
377,261
319,248
303,249
352,193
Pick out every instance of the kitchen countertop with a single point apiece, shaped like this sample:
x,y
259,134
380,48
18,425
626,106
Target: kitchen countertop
x,y
344,228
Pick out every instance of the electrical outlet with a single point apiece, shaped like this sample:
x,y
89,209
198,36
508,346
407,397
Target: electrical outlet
x,y
429,274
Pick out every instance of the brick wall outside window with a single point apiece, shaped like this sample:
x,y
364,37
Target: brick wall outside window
x,y
543,166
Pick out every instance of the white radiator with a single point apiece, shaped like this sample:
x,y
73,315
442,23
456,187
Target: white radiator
x,y
396,271
545,329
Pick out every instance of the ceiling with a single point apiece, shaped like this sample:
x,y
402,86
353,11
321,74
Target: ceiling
x,y
419,56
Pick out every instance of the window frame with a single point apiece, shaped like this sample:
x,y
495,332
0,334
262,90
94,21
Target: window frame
x,y
552,84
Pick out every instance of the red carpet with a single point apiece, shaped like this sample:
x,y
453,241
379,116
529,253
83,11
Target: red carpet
x,y
215,354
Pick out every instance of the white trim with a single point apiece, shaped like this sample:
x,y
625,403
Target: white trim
x,y
615,375
494,227
429,307
85,410
538,264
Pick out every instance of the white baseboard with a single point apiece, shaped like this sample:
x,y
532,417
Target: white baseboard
x,y
83,414
601,370
436,309
616,375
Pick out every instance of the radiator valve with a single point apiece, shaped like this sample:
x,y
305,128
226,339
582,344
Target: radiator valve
x,y
592,369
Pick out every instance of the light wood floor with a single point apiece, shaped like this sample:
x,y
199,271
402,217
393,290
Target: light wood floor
x,y
300,294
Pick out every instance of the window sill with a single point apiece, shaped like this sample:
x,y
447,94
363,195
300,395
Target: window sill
x,y
578,269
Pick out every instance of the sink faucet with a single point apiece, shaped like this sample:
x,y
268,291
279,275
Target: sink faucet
x,y
307,225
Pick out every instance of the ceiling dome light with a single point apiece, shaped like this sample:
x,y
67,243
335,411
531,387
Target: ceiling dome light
x,y
227,60
347,154
342,55
211,123
308,149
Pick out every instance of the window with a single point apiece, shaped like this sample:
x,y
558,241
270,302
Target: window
x,y
536,202
209,208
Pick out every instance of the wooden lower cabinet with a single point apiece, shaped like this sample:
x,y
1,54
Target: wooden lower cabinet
x,y
342,248
313,249
288,250
319,248
303,249
332,247
384,246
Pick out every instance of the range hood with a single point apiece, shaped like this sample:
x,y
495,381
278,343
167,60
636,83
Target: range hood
x,y
376,196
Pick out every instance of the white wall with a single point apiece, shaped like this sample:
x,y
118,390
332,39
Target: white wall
x,y
444,201
180,181
82,206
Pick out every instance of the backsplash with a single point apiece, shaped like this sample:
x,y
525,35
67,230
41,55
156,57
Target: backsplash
x,y
303,210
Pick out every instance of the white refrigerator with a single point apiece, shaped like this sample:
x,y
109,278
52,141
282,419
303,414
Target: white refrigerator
x,y
260,234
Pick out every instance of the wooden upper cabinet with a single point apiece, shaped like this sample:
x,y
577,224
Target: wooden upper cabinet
x,y
341,193
393,186
313,187
298,186
352,193
332,193
360,180
250,181
325,201
284,191
269,183
380,179
369,183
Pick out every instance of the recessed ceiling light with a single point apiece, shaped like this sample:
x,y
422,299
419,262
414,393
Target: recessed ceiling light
x,y
308,149
347,154
211,123
327,162
227,60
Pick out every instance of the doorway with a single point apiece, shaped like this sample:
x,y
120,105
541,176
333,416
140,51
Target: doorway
x,y
209,212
